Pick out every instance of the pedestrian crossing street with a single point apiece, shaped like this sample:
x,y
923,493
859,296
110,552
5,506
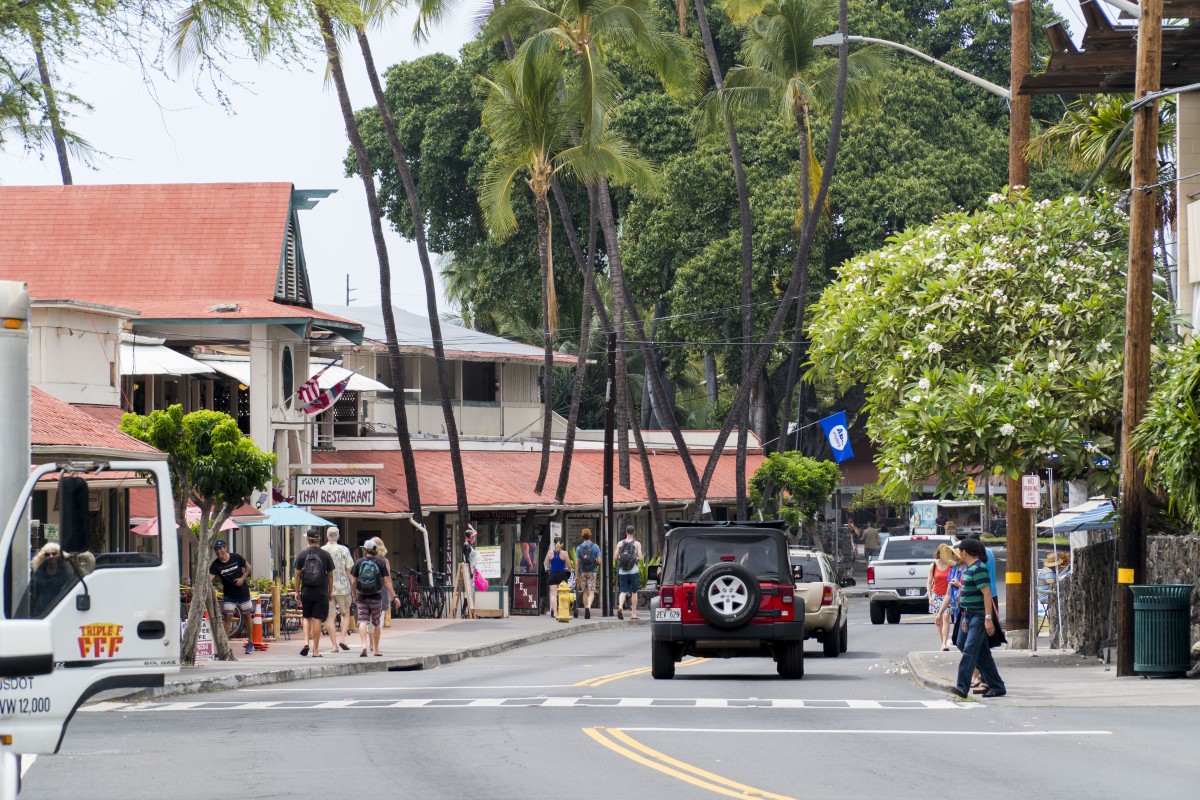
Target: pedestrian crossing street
x,y
533,702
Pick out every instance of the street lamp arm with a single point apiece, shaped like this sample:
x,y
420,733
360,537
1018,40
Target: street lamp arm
x,y
999,91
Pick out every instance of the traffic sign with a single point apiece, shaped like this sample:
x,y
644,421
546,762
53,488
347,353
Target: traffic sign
x,y
1031,491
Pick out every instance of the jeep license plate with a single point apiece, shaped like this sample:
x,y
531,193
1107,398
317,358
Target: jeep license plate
x,y
667,615
912,592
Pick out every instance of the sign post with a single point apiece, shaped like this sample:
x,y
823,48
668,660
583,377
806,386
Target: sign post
x,y
1031,498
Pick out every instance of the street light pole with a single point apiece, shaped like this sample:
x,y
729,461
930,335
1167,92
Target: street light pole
x,y
1131,552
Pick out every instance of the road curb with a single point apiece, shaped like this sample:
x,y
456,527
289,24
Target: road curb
x,y
184,685
924,676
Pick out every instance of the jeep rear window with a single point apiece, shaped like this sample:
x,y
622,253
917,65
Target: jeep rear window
x,y
693,554
914,548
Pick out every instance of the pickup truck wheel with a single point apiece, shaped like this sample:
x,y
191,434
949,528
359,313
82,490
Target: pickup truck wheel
x,y
876,613
893,614
662,660
844,637
833,638
790,660
727,595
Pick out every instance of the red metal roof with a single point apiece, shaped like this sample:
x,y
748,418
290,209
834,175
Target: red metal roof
x,y
506,478
59,424
171,251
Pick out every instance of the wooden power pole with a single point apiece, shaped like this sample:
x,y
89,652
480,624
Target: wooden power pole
x,y
1131,551
1019,534
610,401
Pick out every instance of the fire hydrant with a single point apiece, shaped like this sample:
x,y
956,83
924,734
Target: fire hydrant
x,y
566,597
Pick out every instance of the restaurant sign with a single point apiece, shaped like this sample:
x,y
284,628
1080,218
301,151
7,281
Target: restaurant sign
x,y
335,490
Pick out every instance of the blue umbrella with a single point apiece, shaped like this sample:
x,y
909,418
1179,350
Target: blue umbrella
x,y
286,515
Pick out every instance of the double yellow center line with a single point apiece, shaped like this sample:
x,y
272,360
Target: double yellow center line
x,y
625,745
629,673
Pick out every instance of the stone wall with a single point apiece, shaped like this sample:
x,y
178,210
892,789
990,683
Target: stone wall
x,y
1089,615
1088,593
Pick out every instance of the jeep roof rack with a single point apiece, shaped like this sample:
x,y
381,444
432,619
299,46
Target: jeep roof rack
x,y
770,524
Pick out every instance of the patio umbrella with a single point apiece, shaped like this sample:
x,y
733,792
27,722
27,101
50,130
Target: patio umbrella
x,y
286,515
1094,515
149,527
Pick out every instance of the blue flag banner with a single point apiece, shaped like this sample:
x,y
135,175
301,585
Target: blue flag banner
x,y
838,435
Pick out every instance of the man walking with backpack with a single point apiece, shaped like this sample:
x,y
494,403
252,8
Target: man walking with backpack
x,y
369,576
587,558
314,580
629,555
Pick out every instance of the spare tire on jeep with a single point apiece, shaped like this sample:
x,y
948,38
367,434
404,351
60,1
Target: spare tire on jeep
x,y
727,595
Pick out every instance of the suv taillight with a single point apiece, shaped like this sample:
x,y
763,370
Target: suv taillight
x,y
870,576
827,596
666,596
787,597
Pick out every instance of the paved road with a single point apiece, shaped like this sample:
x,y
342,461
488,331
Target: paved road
x,y
581,718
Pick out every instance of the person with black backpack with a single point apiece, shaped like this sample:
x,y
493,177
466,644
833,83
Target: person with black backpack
x,y
370,576
314,582
629,555
587,559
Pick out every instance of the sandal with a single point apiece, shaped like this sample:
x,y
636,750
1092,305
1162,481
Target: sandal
x,y
379,654
979,689
363,654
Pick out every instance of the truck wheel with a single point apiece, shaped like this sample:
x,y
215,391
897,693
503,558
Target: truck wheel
x,y
876,613
662,660
728,595
893,614
790,659
832,640
844,637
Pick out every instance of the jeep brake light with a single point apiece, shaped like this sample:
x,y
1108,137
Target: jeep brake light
x,y
667,596
727,558
786,595
870,576
827,596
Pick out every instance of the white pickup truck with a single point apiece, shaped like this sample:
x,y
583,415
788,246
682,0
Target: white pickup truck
x,y
896,580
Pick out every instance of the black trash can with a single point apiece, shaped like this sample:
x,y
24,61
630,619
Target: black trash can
x,y
1161,628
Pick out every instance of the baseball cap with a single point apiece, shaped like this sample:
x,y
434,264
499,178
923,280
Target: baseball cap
x,y
314,535
369,544
219,543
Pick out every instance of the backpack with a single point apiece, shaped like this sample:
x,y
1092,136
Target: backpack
x,y
587,557
369,577
627,556
312,575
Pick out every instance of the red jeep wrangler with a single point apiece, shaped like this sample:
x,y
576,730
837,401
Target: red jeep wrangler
x,y
725,592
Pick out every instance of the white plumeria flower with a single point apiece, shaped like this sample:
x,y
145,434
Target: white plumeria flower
x,y
975,388
1007,429
930,327
1103,346
1033,402
934,347
923,384
1053,366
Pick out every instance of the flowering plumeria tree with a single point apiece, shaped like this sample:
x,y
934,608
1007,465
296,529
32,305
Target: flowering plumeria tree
x,y
986,340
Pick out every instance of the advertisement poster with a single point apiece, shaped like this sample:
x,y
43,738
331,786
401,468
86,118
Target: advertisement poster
x,y
525,558
525,594
489,561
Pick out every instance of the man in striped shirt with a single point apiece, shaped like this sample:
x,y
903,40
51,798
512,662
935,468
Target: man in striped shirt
x,y
975,614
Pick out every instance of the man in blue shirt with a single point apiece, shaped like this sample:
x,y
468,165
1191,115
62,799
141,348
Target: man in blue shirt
x,y
587,559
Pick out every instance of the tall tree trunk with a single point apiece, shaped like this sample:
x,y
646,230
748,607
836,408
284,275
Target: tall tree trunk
x,y
743,192
435,324
652,415
385,272
585,331
791,292
52,111
622,296
647,475
542,210
806,210
710,377
623,410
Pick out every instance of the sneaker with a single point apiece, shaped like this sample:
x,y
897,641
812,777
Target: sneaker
x,y
587,613
304,650
619,614
994,693
961,694
249,648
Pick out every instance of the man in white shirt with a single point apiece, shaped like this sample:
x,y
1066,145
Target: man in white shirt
x,y
342,562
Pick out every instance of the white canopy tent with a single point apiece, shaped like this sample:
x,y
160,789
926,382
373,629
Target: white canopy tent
x,y
156,359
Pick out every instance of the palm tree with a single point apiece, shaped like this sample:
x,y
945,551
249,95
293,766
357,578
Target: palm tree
x,y
53,114
786,75
582,29
206,23
528,117
378,11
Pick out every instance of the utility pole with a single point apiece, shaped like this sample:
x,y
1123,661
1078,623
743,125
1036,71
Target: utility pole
x,y
1020,533
1131,551
610,398
348,289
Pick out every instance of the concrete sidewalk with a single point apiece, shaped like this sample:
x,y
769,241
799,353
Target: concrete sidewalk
x,y
1057,678
408,644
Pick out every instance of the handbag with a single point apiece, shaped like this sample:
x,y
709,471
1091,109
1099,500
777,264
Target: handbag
x,y
481,583
998,638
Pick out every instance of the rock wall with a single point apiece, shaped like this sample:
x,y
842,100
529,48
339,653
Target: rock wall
x,y
1088,594
1176,559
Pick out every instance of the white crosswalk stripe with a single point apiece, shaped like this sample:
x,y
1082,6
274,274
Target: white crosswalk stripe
x,y
527,702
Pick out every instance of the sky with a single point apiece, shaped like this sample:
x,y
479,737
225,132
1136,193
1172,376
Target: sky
x,y
284,125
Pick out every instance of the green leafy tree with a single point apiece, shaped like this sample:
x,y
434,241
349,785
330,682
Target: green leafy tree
x,y
987,339
793,487
1169,435
214,467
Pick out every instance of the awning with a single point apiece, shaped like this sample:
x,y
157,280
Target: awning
x,y
1093,515
139,359
238,370
335,375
